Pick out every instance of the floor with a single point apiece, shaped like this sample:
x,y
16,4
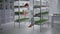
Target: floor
x,y
10,29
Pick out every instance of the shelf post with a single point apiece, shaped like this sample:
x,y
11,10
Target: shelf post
x,y
19,12
40,15
33,16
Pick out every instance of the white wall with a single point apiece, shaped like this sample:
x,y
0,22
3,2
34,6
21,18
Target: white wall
x,y
54,7
58,7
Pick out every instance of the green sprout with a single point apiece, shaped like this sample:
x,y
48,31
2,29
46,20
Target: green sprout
x,y
40,21
17,13
23,19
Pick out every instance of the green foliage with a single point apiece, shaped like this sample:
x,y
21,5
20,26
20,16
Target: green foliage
x,y
17,13
16,6
43,13
0,0
23,19
19,6
40,21
39,14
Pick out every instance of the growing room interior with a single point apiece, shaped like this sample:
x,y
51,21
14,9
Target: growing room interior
x,y
29,16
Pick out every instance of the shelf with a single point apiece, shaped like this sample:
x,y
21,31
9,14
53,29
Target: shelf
x,y
26,5
22,0
0,0
1,4
19,6
43,13
38,15
56,14
16,0
39,6
23,19
40,21
17,13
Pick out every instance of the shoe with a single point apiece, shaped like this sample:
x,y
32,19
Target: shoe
x,y
30,25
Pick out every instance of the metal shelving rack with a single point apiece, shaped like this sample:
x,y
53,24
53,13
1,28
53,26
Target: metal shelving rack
x,y
1,2
0,13
19,7
6,13
41,16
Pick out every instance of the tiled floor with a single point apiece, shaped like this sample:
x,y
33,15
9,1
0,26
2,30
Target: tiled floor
x,y
9,29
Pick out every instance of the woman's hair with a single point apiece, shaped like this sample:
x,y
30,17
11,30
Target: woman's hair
x,y
27,4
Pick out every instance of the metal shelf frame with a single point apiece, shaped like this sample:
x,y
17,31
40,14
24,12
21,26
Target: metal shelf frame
x,y
19,7
41,17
